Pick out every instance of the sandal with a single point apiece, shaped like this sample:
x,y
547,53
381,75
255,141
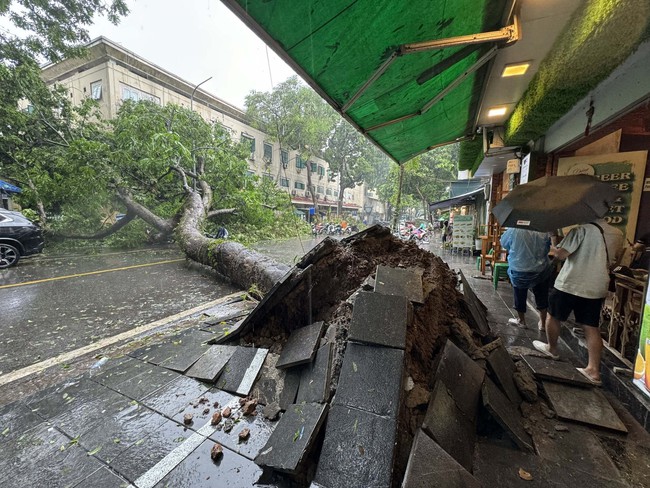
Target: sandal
x,y
591,380
544,348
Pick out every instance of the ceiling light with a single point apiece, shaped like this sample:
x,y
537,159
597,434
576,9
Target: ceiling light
x,y
517,69
496,111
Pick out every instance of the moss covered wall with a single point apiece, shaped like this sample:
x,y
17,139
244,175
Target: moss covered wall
x,y
598,38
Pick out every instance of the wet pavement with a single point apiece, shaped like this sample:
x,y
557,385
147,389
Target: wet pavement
x,y
48,309
126,423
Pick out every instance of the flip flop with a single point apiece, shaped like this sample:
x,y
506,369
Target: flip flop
x,y
543,348
591,380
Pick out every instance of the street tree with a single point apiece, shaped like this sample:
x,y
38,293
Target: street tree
x,y
297,118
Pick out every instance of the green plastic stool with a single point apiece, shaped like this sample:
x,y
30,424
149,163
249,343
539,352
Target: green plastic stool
x,y
498,270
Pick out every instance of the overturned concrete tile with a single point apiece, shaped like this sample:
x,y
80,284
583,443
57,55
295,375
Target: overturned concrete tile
x,y
475,306
462,376
315,378
506,414
357,451
370,379
547,369
402,282
276,385
430,465
503,368
198,470
211,364
584,405
454,431
293,436
242,369
380,319
227,311
301,346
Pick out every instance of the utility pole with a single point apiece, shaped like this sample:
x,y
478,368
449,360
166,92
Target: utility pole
x,y
193,147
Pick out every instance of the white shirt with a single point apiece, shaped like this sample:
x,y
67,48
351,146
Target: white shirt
x,y
586,271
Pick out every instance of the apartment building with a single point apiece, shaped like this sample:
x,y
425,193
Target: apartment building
x,y
111,74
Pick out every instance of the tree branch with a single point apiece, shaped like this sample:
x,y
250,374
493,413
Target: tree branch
x,y
165,226
221,211
106,232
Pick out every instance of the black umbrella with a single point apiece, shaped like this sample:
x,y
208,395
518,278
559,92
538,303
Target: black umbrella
x,y
554,202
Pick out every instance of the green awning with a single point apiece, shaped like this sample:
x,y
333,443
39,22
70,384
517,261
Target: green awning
x,y
359,56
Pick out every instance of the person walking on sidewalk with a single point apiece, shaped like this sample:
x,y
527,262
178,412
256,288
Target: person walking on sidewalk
x,y
581,287
528,268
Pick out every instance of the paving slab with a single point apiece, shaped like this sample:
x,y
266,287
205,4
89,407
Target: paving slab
x,y
15,419
293,437
315,378
357,450
380,319
506,414
198,470
148,381
276,385
44,456
502,368
454,431
191,346
462,377
242,370
115,433
301,346
103,478
211,364
499,466
577,449
583,405
260,430
203,407
559,371
475,306
146,452
370,379
399,281
629,458
173,398
430,465
228,311
122,372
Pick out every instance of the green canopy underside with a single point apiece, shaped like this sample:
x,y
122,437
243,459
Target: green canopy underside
x,y
337,45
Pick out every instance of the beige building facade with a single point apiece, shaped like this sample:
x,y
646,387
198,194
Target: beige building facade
x,y
111,74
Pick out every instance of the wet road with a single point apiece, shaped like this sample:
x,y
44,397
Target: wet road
x,y
51,305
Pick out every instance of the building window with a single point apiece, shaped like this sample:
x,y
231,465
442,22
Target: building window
x,y
284,182
313,167
321,171
268,153
284,158
320,190
336,193
300,163
96,90
267,176
249,142
328,192
299,186
130,93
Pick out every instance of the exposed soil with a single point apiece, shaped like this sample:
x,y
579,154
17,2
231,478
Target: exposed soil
x,y
332,273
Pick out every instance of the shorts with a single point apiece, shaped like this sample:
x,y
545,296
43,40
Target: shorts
x,y
540,290
585,310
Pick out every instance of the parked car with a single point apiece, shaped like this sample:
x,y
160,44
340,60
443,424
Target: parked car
x,y
19,238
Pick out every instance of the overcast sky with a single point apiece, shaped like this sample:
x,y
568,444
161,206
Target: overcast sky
x,y
196,39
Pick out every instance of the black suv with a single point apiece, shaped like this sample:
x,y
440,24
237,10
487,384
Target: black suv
x,y
18,238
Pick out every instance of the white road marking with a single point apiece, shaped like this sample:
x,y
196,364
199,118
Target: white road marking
x,y
252,371
71,355
165,466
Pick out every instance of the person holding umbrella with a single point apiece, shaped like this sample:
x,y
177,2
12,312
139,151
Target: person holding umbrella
x,y
528,268
581,287
555,202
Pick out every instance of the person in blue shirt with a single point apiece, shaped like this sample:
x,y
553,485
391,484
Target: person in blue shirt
x,y
529,267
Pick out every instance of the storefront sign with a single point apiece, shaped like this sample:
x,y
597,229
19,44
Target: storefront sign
x,y
525,167
642,363
625,172
512,166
